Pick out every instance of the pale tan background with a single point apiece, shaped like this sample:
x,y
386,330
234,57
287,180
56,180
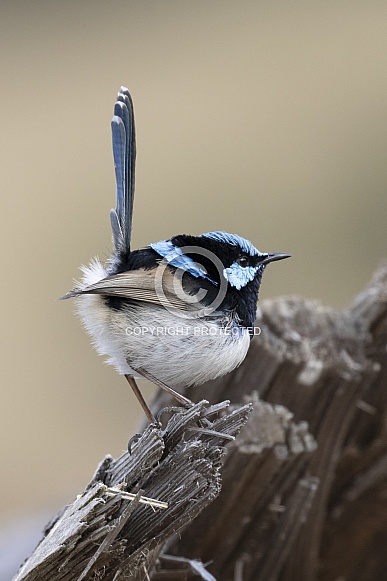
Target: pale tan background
x,y
263,118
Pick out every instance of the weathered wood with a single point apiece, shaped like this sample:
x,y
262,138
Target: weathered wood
x,y
261,468
109,534
295,511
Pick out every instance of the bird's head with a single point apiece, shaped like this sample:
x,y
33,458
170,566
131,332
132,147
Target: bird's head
x,y
228,267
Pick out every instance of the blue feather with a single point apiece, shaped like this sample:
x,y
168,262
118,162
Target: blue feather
x,y
124,153
175,257
119,143
238,276
235,240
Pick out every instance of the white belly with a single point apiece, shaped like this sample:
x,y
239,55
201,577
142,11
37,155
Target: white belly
x,y
178,351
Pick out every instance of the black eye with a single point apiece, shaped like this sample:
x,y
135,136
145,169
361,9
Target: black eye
x,y
243,261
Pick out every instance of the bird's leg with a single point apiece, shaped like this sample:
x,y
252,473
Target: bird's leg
x,y
180,398
138,394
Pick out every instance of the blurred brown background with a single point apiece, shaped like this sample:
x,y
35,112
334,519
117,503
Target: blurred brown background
x,y
263,118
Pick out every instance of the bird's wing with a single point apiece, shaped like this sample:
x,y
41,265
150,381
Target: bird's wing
x,y
144,286
124,153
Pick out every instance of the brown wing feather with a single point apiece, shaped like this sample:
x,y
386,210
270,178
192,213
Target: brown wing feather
x,y
142,285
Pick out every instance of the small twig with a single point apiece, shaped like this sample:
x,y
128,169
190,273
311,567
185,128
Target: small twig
x,y
142,500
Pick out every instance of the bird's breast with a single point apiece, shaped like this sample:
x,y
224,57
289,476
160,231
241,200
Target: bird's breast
x,y
178,351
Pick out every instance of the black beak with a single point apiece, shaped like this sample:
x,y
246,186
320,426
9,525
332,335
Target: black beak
x,y
272,256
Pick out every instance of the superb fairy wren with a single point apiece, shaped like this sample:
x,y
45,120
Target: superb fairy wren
x,y
178,312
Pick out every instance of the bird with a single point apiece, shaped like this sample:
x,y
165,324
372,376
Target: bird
x,y
178,312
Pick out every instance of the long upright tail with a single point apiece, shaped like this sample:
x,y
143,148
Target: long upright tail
x,y
124,153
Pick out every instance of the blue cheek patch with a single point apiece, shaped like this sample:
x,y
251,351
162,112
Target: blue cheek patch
x,y
174,256
238,276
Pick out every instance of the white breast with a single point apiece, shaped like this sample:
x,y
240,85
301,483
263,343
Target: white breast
x,y
178,351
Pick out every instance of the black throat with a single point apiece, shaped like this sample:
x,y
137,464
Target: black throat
x,y
244,302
